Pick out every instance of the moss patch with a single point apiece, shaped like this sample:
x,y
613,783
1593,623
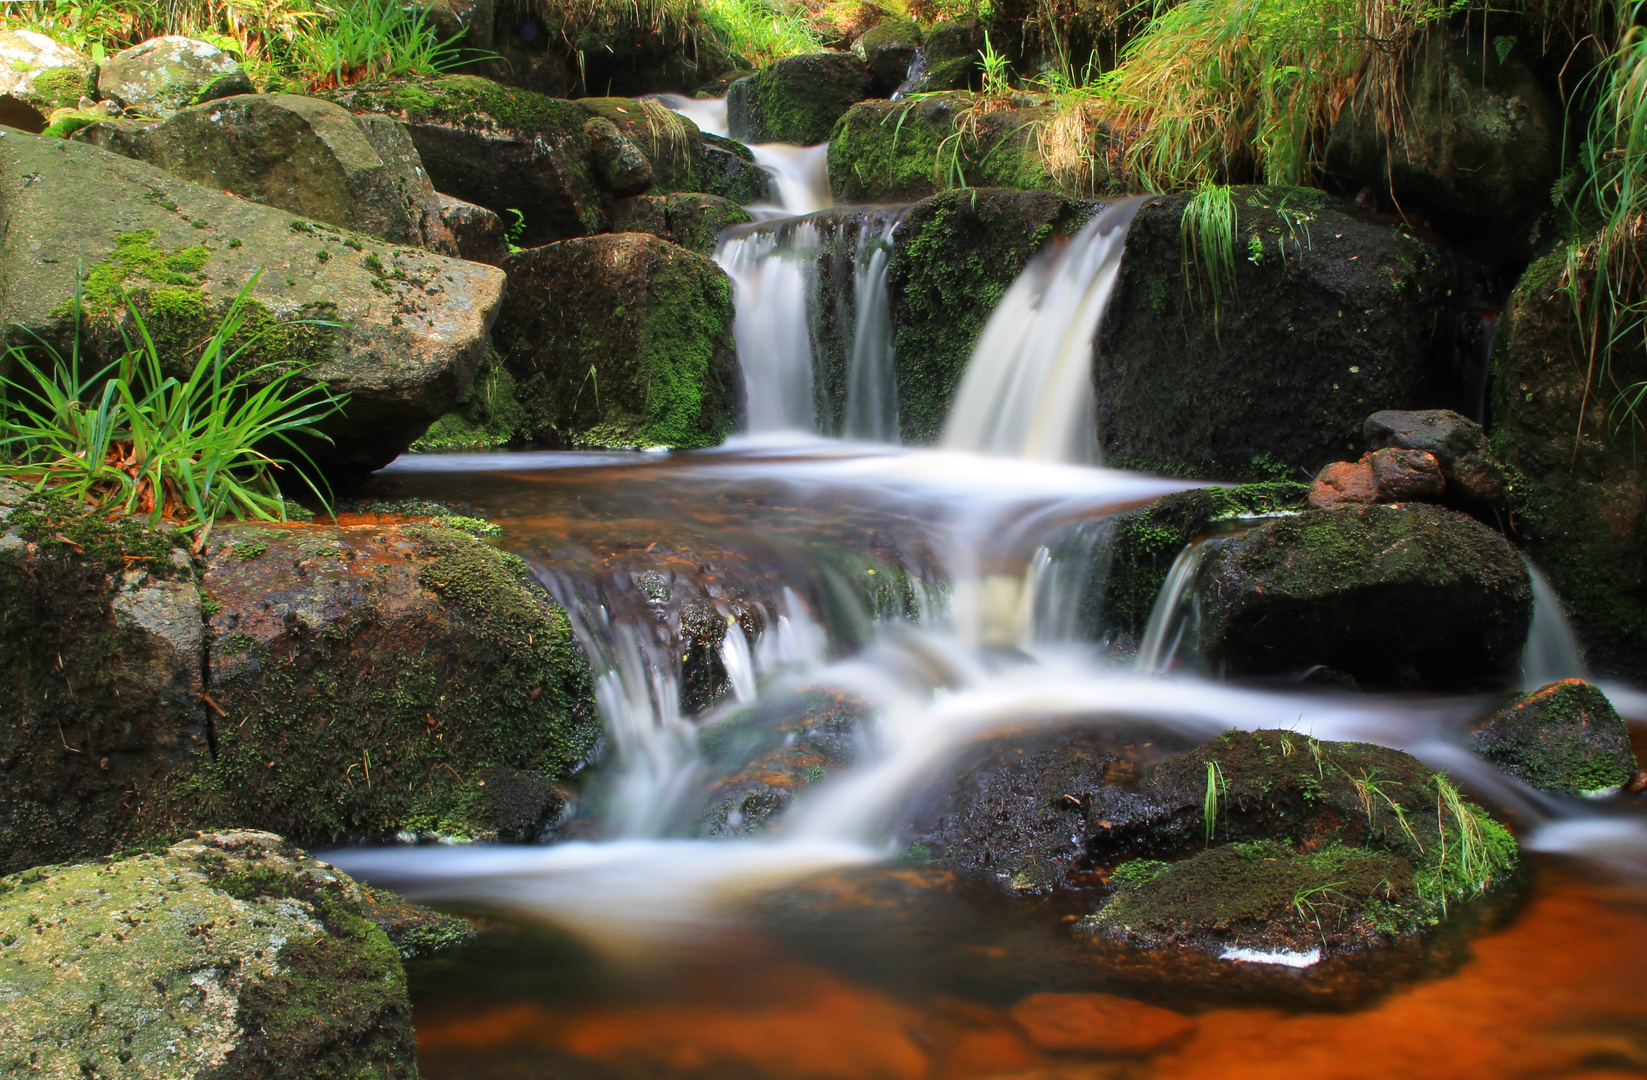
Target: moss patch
x,y
1564,737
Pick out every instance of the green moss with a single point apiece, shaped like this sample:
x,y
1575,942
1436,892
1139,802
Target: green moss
x,y
488,416
1135,873
678,340
1565,737
59,88
61,527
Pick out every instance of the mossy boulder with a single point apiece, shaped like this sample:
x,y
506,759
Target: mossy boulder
x,y
383,679
729,171
797,99
692,220
896,151
621,340
1394,595
409,329
953,258
230,955
1578,491
102,629
488,417
670,145
162,75
39,71
1479,146
1564,737
1321,318
302,154
949,59
887,49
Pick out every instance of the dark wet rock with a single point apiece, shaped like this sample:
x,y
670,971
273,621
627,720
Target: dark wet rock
x,y
417,654
621,340
887,49
1480,145
42,73
1328,316
729,171
411,326
233,954
619,165
301,154
953,258
413,929
1387,594
1564,737
488,416
949,59
670,146
797,99
479,234
895,151
1131,565
1475,479
763,760
19,114
165,74
690,219
468,21
1578,491
101,627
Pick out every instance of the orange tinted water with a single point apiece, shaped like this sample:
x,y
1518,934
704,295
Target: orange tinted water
x,y
1561,991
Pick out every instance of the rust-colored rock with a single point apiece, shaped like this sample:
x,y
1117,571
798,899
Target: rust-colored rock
x,y
1406,475
1099,1022
1344,482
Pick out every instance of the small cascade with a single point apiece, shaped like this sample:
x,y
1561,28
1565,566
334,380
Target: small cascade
x,y
1027,391
800,174
1175,616
1551,652
772,268
814,325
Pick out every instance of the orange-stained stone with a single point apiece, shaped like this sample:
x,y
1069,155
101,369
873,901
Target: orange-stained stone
x,y
1344,482
1101,1022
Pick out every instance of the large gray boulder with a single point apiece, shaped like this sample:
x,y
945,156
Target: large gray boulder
x,y
1323,318
229,954
164,74
410,326
39,71
647,322
302,154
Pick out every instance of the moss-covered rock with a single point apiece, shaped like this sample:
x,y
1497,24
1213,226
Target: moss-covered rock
x,y
489,416
671,145
621,340
1479,145
101,627
890,151
953,258
729,171
949,58
301,154
1578,492
379,679
37,70
797,99
228,956
164,74
887,49
1327,317
410,326
1564,737
692,220
1390,594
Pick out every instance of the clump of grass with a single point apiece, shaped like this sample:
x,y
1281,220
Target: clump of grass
x,y
1207,236
1216,789
373,39
129,438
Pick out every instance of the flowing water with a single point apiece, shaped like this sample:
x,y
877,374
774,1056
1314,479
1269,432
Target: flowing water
x,y
730,594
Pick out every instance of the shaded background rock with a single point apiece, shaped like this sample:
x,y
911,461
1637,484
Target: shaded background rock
x,y
1475,480
1564,737
1390,595
796,99
165,74
479,234
621,340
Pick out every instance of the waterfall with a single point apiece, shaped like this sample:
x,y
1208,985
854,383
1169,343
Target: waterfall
x,y
1551,652
800,174
1174,613
1027,391
813,324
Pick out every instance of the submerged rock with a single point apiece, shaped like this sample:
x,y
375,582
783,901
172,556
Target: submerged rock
x,y
297,153
621,340
164,74
1479,145
42,73
692,220
1390,595
1579,491
410,326
953,258
797,99
1323,317
232,954
1564,737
